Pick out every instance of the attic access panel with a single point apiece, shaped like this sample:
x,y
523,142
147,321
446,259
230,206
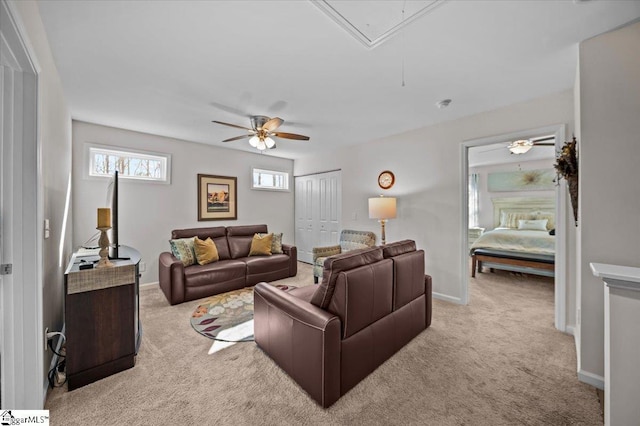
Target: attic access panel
x,y
373,22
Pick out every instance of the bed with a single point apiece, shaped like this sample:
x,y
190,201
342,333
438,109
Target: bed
x,y
521,240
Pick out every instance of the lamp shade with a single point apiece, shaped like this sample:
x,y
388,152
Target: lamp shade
x,y
382,208
269,142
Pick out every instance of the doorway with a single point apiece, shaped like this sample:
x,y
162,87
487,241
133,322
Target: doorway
x,y
560,201
318,212
22,337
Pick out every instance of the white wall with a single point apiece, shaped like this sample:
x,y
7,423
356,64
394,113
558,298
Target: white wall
x,y
426,163
485,215
609,154
55,156
149,211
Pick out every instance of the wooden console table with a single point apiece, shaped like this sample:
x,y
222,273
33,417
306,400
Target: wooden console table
x,y
103,329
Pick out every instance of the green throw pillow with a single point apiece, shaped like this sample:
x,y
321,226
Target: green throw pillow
x,y
276,243
184,250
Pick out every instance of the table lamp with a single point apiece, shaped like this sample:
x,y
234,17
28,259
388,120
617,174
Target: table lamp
x,y
382,208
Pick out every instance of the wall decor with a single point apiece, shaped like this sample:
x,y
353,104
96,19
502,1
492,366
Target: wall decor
x,y
567,167
525,180
386,179
217,197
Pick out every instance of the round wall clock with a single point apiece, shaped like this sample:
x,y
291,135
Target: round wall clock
x,y
386,179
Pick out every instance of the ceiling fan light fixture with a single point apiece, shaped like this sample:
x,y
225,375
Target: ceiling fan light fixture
x,y
262,128
520,146
269,142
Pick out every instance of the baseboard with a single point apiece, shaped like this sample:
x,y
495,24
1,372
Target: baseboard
x,y
591,379
570,329
447,298
157,283
54,362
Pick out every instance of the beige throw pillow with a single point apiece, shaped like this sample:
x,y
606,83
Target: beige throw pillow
x,y
206,251
261,245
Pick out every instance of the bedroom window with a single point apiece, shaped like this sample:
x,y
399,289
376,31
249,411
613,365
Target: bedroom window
x,y
130,164
270,180
474,205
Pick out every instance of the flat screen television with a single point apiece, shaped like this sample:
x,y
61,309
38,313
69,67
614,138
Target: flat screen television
x,y
115,243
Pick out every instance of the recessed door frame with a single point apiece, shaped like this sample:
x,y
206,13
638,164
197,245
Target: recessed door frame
x,y
22,360
560,295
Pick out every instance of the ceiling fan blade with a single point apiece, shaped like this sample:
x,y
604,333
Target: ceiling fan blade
x,y
290,136
232,125
237,138
272,124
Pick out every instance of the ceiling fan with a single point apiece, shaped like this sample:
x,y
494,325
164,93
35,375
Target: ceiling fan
x,y
523,146
261,131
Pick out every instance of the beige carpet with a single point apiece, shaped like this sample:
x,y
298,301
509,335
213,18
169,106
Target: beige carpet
x,y
497,361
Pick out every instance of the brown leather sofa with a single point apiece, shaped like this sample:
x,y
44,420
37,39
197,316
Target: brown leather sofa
x,y
234,270
329,337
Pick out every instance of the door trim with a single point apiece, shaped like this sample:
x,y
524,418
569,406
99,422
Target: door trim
x,y
24,388
560,293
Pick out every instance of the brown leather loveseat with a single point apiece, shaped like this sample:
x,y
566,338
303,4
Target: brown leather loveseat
x,y
329,337
235,269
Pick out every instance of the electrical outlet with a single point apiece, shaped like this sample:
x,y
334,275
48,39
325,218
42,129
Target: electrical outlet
x,y
46,340
142,267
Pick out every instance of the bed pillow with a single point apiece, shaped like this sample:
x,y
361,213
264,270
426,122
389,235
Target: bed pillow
x,y
550,216
533,224
510,220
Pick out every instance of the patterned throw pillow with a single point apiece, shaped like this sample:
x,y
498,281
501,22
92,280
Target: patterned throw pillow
x,y
206,251
183,249
261,245
276,243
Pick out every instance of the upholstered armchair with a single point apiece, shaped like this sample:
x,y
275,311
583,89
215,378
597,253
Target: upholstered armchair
x,y
349,240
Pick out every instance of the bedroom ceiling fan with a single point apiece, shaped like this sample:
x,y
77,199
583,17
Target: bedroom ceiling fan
x,y
523,146
261,131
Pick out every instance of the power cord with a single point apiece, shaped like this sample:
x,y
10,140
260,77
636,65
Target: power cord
x,y
91,239
56,375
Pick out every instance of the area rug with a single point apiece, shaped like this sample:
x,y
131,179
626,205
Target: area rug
x,y
227,317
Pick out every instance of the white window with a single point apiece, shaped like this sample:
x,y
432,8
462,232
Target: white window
x,y
130,164
269,179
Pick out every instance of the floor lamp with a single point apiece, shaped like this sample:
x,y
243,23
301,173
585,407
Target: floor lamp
x,y
382,208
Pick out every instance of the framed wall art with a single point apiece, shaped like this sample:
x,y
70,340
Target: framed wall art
x,y
526,180
217,197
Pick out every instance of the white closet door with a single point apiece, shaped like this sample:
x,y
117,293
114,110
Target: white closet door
x,y
329,202
318,201
304,208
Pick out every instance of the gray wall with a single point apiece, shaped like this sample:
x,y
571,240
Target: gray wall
x,y
149,211
427,166
609,155
55,154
